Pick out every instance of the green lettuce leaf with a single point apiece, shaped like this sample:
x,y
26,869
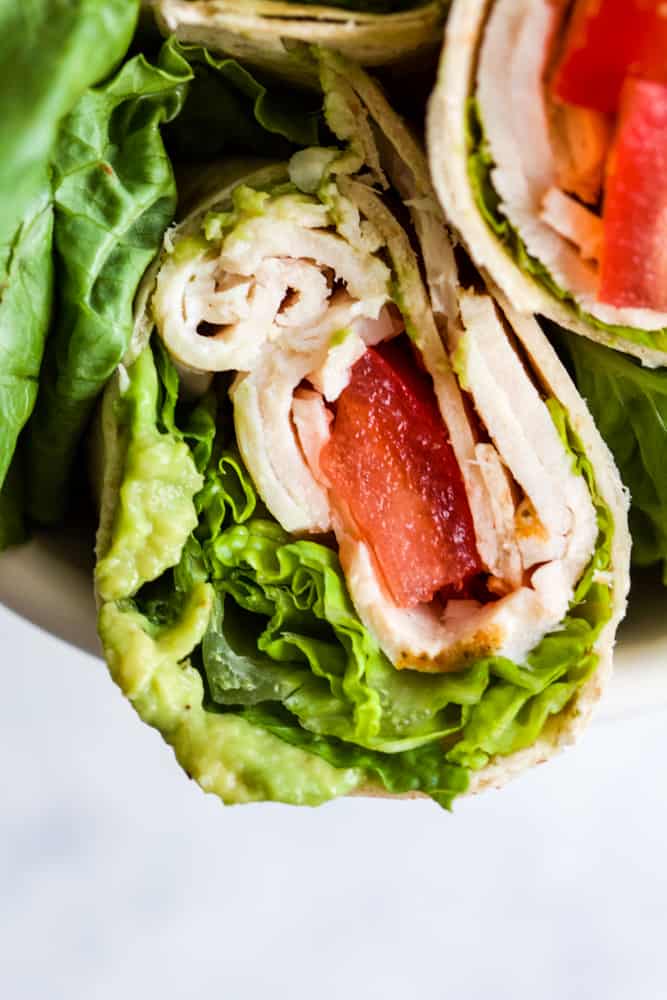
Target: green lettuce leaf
x,y
114,194
480,168
629,404
228,110
298,621
50,51
199,422
425,769
25,311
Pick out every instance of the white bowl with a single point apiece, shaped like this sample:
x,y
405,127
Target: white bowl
x,y
49,582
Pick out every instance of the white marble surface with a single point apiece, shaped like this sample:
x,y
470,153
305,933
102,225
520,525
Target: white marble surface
x,y
119,878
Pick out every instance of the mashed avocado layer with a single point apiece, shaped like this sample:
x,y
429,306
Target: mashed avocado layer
x,y
225,754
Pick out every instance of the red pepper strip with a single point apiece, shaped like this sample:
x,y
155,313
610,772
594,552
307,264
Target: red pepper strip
x,y
633,269
389,459
605,41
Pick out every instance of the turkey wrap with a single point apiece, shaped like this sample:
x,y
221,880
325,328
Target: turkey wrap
x,y
358,531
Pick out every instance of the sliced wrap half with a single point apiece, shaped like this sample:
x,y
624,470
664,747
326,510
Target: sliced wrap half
x,y
558,202
358,531
263,32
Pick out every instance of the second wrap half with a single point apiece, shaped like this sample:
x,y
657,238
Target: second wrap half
x,y
558,201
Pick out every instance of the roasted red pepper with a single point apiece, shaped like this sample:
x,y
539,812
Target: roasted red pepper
x,y
633,269
605,41
390,461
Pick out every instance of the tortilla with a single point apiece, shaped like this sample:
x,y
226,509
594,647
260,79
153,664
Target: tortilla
x,y
263,32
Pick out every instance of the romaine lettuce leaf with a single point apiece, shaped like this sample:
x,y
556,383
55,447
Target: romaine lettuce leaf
x,y
424,769
50,51
199,425
114,196
480,167
629,404
228,110
25,311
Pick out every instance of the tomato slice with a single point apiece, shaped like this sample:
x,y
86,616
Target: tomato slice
x,y
633,268
389,459
606,40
